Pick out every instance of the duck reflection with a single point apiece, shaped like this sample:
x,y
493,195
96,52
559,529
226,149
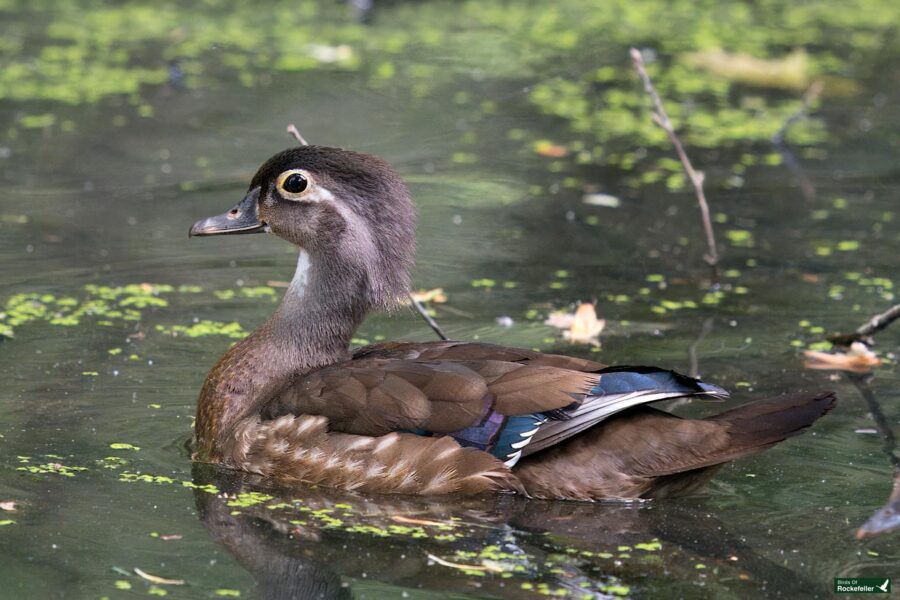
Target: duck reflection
x,y
307,543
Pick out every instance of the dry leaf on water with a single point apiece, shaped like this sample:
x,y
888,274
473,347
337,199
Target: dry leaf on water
x,y
436,295
859,359
580,327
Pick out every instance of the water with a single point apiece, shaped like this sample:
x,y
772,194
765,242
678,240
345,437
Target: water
x,y
109,204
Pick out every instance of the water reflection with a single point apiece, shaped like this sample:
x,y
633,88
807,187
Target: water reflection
x,y
320,543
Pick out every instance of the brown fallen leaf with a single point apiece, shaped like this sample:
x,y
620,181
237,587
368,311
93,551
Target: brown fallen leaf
x,y
581,327
859,359
436,295
156,579
9,505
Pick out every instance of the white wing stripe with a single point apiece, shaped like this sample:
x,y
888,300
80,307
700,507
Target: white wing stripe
x,y
593,410
513,459
522,444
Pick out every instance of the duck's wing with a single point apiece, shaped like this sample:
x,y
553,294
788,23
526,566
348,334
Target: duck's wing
x,y
375,396
505,401
472,351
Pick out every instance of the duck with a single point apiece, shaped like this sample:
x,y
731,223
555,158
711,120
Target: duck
x,y
294,404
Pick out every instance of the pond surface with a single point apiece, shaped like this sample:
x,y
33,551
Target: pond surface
x,y
106,340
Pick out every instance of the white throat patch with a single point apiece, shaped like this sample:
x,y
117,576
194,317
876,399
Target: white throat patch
x,y
301,275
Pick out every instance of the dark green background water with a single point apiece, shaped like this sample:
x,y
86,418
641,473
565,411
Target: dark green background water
x,y
105,165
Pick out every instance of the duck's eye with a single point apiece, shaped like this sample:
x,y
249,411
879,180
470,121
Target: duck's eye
x,y
293,184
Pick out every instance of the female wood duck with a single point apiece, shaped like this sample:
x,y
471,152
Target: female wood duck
x,y
292,402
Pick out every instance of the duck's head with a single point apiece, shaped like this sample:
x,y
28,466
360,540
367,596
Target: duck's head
x,y
350,212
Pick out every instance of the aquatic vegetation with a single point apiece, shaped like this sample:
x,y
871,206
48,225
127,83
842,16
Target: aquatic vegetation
x,y
205,328
556,86
715,68
51,468
108,305
123,446
104,304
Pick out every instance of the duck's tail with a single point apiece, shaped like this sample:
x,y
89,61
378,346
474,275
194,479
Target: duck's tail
x,y
646,453
759,425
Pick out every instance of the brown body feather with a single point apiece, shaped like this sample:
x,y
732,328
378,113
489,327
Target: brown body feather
x,y
302,449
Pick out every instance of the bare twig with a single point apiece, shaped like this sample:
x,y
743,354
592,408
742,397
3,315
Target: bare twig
x,y
869,328
292,130
431,322
879,322
661,118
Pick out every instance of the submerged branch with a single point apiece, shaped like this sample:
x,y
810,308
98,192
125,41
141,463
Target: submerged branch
x,y
661,118
887,518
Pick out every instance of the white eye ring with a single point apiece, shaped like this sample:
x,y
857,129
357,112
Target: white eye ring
x,y
294,184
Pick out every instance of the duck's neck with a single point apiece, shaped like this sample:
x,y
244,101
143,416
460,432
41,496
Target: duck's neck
x,y
323,306
311,328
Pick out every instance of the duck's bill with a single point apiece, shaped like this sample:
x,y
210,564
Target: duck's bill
x,y
243,218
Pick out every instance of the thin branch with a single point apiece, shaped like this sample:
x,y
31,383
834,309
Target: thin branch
x,y
879,322
869,328
292,130
661,118
431,322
